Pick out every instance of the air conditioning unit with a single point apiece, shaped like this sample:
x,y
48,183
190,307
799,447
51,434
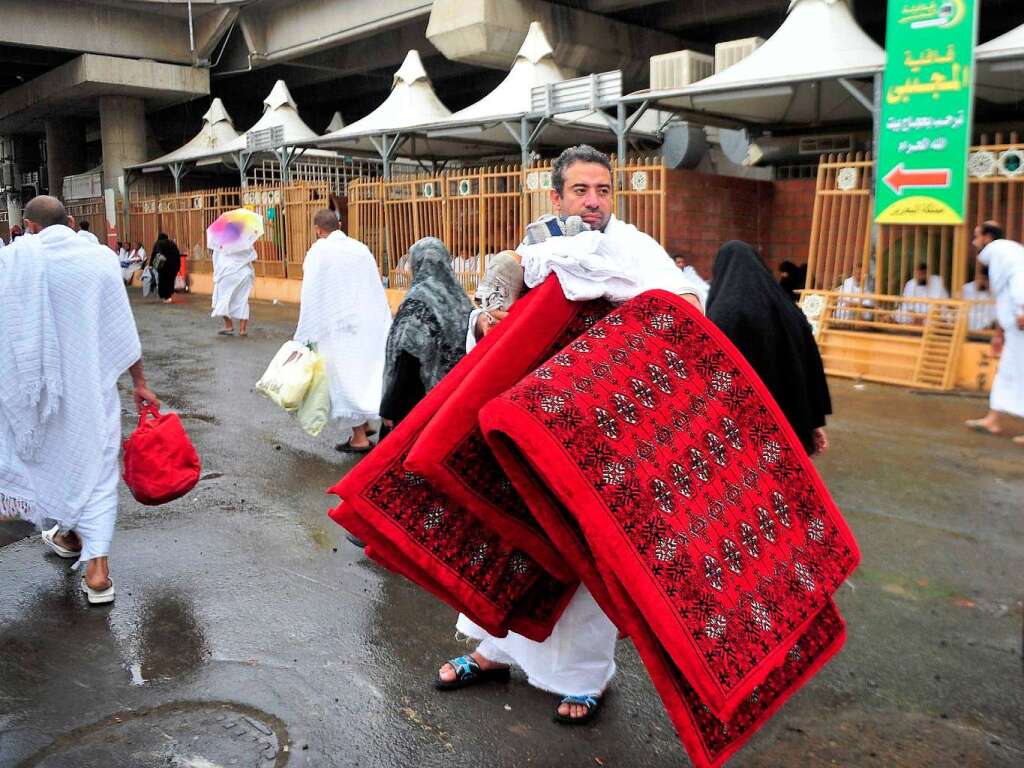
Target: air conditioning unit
x,y
734,51
679,69
820,145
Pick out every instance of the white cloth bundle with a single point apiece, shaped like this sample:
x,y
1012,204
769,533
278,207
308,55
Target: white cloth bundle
x,y
618,264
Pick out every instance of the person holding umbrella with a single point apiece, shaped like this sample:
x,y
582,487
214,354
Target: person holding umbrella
x,y
232,238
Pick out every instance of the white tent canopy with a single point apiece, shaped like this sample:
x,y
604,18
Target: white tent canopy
x,y
218,132
1000,68
279,109
498,123
509,102
803,75
336,124
411,101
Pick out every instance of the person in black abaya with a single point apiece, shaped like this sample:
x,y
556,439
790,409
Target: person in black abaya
x,y
773,334
166,259
428,335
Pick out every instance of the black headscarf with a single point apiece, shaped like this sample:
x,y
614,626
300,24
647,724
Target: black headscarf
x,y
772,332
433,320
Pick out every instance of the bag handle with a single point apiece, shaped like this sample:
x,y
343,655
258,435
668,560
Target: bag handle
x,y
148,410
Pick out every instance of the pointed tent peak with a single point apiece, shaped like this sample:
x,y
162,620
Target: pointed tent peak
x,y
336,124
411,70
536,47
279,96
217,113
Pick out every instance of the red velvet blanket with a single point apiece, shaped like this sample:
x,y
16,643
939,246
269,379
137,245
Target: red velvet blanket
x,y
641,454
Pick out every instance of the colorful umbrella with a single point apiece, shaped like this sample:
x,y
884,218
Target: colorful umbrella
x,y
235,230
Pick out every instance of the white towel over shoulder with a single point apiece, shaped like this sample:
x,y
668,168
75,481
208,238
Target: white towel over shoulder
x,y
618,264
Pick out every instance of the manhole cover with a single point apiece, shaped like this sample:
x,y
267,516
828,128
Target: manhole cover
x,y
189,734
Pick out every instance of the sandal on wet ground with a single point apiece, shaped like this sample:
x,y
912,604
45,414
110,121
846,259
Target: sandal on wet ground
x,y
592,703
349,448
98,596
57,549
225,333
469,672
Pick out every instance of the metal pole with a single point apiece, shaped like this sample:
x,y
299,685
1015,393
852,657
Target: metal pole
x,y
620,130
876,137
524,143
176,173
191,32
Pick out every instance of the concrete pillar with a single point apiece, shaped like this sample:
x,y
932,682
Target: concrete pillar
x,y
65,151
122,136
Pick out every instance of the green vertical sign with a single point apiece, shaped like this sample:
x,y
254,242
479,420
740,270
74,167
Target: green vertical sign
x,y
927,105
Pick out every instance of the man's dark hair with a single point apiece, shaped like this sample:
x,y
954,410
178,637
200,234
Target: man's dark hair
x,y
326,219
84,225
46,211
922,265
993,230
581,153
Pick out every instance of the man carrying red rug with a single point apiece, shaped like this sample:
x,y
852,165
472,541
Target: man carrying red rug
x,y
608,259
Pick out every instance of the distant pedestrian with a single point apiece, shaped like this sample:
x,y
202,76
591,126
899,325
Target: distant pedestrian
x,y
66,336
345,313
85,233
233,278
682,262
166,260
774,336
1005,262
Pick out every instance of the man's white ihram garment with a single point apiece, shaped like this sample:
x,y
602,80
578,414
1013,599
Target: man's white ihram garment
x,y
88,236
233,277
618,264
345,312
1005,262
66,335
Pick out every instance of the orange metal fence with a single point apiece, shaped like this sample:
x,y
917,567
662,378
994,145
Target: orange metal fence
x,y
483,211
287,220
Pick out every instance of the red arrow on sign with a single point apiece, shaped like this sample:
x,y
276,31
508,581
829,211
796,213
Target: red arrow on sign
x,y
899,178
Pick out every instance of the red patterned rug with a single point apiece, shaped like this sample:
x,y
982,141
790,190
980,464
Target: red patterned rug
x,y
636,450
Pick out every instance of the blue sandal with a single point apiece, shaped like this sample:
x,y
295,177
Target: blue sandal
x,y
469,672
592,703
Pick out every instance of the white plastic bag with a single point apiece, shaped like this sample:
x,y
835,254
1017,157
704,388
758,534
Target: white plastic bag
x,y
315,411
149,281
287,378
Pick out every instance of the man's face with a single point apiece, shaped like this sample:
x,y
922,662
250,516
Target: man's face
x,y
980,239
922,276
587,193
680,261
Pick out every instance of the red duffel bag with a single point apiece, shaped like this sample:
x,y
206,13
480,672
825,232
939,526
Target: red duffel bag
x,y
160,463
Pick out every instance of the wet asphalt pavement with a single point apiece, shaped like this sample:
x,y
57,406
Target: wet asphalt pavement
x,y
247,631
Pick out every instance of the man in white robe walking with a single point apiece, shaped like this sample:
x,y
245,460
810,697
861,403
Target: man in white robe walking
x,y
1005,261
345,313
617,261
233,278
66,336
